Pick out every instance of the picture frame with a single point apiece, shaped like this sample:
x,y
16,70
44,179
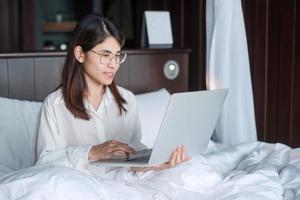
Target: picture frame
x,y
157,30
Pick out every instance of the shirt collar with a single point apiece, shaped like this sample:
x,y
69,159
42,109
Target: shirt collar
x,y
108,97
106,100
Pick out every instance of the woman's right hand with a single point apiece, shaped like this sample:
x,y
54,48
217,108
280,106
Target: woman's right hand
x,y
110,149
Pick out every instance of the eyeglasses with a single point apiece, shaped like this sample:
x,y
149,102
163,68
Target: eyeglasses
x,y
106,57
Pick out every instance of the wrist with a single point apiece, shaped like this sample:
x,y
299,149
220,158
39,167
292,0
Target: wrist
x,y
92,156
141,169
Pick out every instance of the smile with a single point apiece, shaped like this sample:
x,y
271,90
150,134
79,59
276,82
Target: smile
x,y
109,73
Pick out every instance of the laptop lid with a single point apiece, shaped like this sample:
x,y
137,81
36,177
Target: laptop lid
x,y
189,120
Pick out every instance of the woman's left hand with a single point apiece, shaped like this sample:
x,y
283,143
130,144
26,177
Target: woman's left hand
x,y
179,155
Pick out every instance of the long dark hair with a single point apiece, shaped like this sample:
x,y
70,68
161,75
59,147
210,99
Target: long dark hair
x,y
91,30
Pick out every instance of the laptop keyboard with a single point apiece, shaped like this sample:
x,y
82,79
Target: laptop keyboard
x,y
143,154
143,159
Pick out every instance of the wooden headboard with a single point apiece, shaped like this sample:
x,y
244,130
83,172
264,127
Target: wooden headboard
x,y
33,75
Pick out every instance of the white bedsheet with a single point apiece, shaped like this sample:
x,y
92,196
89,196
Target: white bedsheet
x,y
248,171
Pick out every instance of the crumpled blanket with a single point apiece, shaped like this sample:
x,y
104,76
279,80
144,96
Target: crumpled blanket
x,y
248,171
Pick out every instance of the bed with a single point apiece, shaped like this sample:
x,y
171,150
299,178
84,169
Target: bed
x,y
247,171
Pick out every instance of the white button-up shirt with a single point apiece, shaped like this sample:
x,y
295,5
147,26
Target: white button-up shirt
x,y
65,140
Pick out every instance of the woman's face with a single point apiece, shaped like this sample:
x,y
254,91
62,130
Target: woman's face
x,y
102,71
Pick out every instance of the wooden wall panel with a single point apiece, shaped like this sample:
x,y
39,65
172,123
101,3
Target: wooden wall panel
x,y
32,76
285,70
187,18
176,9
139,7
257,31
151,76
9,23
20,73
3,78
121,78
272,28
47,75
295,105
145,72
28,18
273,70
188,27
194,38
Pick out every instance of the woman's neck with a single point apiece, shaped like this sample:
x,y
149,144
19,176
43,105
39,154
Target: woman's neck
x,y
94,93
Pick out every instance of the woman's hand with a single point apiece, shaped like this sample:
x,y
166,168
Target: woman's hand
x,y
110,149
178,156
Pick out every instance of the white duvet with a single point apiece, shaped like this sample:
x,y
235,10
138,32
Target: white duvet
x,y
248,171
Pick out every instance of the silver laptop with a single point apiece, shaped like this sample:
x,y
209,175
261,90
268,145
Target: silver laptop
x,y
189,120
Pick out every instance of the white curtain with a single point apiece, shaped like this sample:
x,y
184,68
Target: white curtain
x,y
228,67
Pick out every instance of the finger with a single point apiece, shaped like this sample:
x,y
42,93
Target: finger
x,y
114,141
118,155
111,144
128,147
121,153
125,149
178,157
173,158
116,145
183,154
124,145
186,156
161,167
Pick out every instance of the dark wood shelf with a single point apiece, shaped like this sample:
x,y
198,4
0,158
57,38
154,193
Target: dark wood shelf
x,y
25,54
59,26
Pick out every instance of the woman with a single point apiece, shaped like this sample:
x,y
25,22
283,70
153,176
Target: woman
x,y
88,117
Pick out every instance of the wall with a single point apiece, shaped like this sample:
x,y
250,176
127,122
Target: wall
x,y
273,29
188,24
40,72
187,17
9,21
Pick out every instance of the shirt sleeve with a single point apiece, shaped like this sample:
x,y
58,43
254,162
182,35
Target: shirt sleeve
x,y
135,125
48,142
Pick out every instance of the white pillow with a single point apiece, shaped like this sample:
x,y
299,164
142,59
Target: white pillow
x,y
17,132
151,108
